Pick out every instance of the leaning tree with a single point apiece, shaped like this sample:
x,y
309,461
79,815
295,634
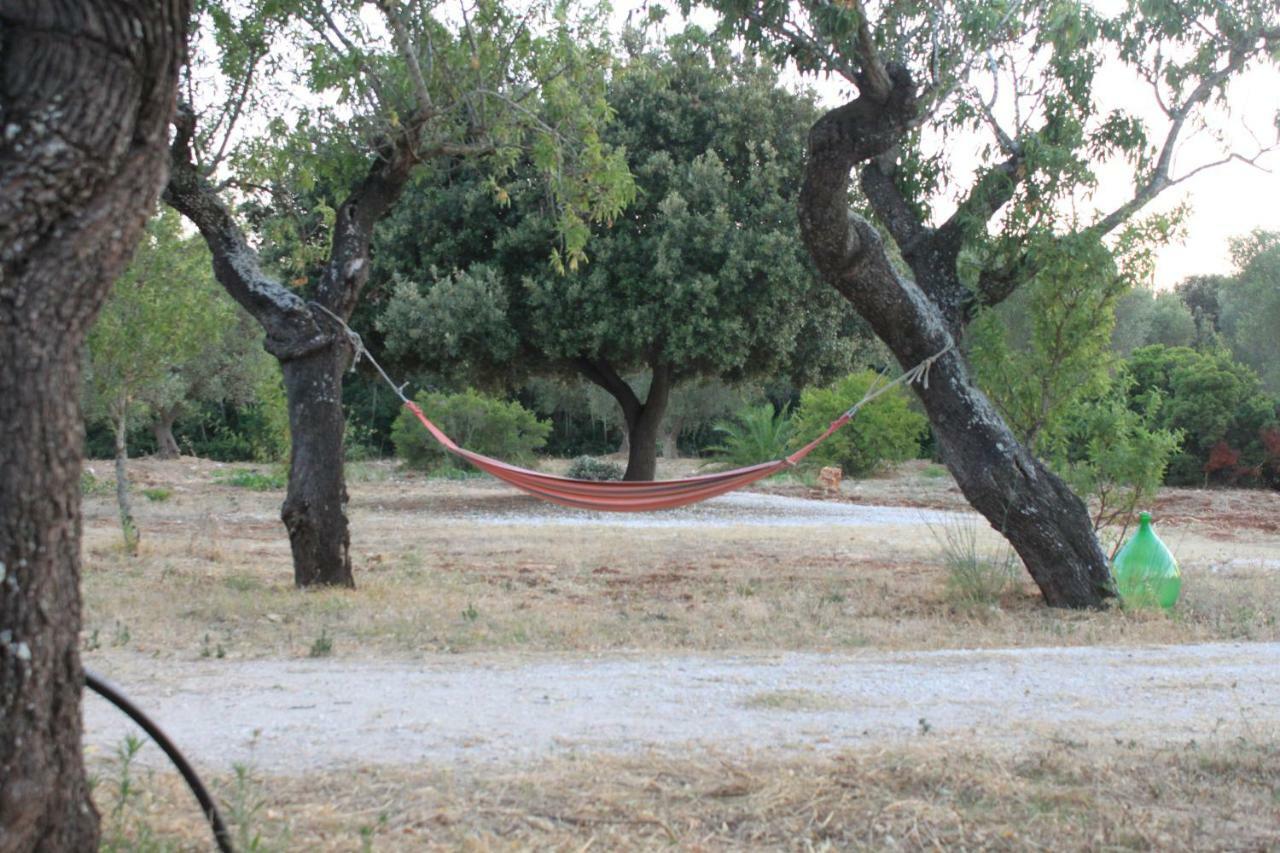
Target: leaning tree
x,y
702,277
380,95
1025,88
86,94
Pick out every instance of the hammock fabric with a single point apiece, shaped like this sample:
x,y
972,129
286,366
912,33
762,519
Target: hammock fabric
x,y
622,496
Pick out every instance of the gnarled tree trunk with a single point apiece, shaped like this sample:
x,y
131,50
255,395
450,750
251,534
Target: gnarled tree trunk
x,y
305,337
86,93
1043,520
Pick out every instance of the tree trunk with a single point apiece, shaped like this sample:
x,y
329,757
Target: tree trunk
x,y
671,439
1043,520
314,508
128,529
643,420
162,429
642,456
310,345
86,93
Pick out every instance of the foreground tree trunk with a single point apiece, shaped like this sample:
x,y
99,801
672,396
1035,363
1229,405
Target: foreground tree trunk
x,y
305,337
1043,520
86,94
162,429
643,419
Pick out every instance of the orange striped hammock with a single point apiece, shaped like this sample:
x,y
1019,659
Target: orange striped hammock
x,y
624,496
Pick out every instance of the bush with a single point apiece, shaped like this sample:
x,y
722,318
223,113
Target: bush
x,y
756,434
480,423
590,468
1212,400
1114,455
884,431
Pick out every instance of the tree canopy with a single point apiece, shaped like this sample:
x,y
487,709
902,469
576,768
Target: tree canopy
x,y
702,276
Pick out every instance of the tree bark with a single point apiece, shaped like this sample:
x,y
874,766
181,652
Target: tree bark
x,y
670,443
1043,520
162,429
314,509
643,419
128,528
86,95
311,348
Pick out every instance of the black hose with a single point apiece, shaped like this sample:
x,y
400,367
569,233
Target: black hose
x,y
115,697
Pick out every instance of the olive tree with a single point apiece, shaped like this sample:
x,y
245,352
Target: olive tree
x,y
392,85
703,277
1024,79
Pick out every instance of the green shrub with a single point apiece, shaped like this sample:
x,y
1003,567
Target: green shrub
x,y
1207,397
884,431
159,494
590,468
756,434
1112,456
482,424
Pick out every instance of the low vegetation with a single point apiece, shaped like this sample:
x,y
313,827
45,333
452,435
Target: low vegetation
x,y
1060,794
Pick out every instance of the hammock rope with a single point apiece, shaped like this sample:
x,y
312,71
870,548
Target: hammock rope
x,y
625,496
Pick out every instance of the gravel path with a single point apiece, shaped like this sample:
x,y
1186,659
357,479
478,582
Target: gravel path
x,y
294,716
733,510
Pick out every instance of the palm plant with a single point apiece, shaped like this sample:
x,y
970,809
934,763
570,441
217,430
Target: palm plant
x,y
755,434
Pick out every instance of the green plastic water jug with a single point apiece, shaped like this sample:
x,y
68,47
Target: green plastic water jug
x,y
1145,572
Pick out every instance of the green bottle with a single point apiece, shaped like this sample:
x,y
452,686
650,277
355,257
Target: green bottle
x,y
1145,572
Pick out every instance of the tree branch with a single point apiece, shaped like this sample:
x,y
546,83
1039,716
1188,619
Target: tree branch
x,y
401,38
856,132
600,372
347,268
902,221
1159,180
291,330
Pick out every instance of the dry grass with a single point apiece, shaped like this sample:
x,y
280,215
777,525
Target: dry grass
x,y
935,795
214,579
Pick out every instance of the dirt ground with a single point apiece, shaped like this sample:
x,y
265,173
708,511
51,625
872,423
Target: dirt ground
x,y
775,610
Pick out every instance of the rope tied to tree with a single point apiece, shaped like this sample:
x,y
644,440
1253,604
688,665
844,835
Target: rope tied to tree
x,y
361,351
919,373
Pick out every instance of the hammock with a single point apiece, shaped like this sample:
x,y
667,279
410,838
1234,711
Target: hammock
x,y
625,496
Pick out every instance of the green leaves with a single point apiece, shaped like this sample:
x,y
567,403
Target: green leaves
x,y
483,81
168,335
704,272
887,430
479,423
